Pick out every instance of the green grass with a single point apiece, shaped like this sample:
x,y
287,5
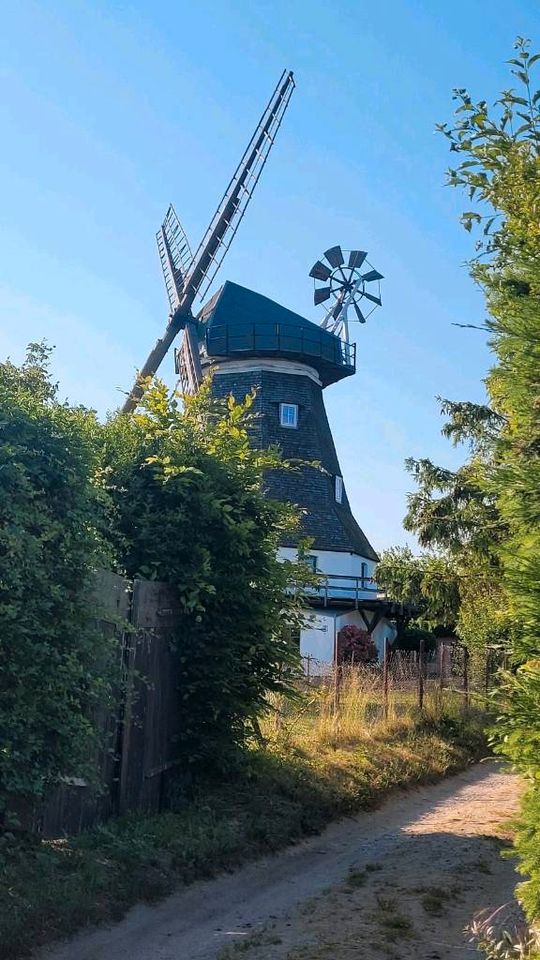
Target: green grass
x,y
395,924
435,899
286,791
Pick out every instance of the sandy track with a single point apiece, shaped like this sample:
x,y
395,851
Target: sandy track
x,y
432,858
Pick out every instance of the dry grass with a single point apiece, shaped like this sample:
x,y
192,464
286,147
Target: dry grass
x,y
342,711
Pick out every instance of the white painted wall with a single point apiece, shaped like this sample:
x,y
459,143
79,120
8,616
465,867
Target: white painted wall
x,y
322,626
317,637
252,365
334,563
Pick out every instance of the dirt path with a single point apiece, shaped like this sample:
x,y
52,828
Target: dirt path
x,y
401,881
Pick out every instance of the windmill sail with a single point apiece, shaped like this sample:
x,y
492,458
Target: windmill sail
x,y
230,211
216,241
175,255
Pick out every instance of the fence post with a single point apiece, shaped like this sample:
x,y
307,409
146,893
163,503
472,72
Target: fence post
x,y
466,678
337,686
385,677
441,666
421,674
337,668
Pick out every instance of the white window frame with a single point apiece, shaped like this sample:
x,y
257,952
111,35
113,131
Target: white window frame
x,y
338,488
312,562
284,418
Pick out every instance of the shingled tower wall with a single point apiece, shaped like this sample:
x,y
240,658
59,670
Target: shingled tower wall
x,y
249,341
331,524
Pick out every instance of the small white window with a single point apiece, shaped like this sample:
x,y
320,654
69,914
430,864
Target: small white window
x,y
288,414
364,573
339,489
311,561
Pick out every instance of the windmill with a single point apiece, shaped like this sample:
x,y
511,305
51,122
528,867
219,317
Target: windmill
x,y
348,284
188,276
250,344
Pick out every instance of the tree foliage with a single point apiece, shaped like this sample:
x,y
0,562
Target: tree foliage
x,y
190,508
498,149
428,582
456,514
171,492
50,543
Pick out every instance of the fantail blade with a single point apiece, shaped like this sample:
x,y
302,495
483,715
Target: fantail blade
x,y
321,295
356,258
335,256
320,271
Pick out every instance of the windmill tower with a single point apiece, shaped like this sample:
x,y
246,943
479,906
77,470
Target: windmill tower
x,y
247,340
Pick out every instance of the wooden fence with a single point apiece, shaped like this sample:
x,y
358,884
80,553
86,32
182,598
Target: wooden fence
x,y
140,730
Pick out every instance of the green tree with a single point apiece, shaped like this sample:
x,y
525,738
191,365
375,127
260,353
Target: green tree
x,y
455,512
49,545
499,167
428,582
190,508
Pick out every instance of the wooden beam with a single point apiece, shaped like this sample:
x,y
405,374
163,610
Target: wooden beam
x,y
364,618
376,616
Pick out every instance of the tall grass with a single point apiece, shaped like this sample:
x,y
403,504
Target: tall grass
x,y
348,705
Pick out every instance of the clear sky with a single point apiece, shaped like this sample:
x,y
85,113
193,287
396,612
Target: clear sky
x,y
110,110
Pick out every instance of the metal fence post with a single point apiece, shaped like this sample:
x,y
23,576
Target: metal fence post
x,y
385,677
421,674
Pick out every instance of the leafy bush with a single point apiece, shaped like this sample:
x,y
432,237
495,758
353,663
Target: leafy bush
x,y
190,509
49,544
169,493
356,646
411,637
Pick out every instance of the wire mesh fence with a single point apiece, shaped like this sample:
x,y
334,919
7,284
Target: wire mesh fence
x,y
336,703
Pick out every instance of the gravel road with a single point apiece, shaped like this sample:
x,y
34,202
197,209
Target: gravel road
x,y
400,882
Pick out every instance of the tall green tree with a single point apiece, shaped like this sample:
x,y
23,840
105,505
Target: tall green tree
x,y
498,151
455,514
172,492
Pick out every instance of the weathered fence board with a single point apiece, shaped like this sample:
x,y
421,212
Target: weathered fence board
x,y
139,730
150,748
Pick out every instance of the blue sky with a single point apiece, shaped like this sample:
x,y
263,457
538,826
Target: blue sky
x,y
111,110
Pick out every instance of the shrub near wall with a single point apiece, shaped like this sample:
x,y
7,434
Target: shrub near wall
x,y
49,544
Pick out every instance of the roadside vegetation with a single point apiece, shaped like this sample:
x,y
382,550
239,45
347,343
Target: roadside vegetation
x,y
316,764
498,152
481,523
172,493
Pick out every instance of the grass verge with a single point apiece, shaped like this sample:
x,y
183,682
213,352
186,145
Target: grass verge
x,y
52,888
